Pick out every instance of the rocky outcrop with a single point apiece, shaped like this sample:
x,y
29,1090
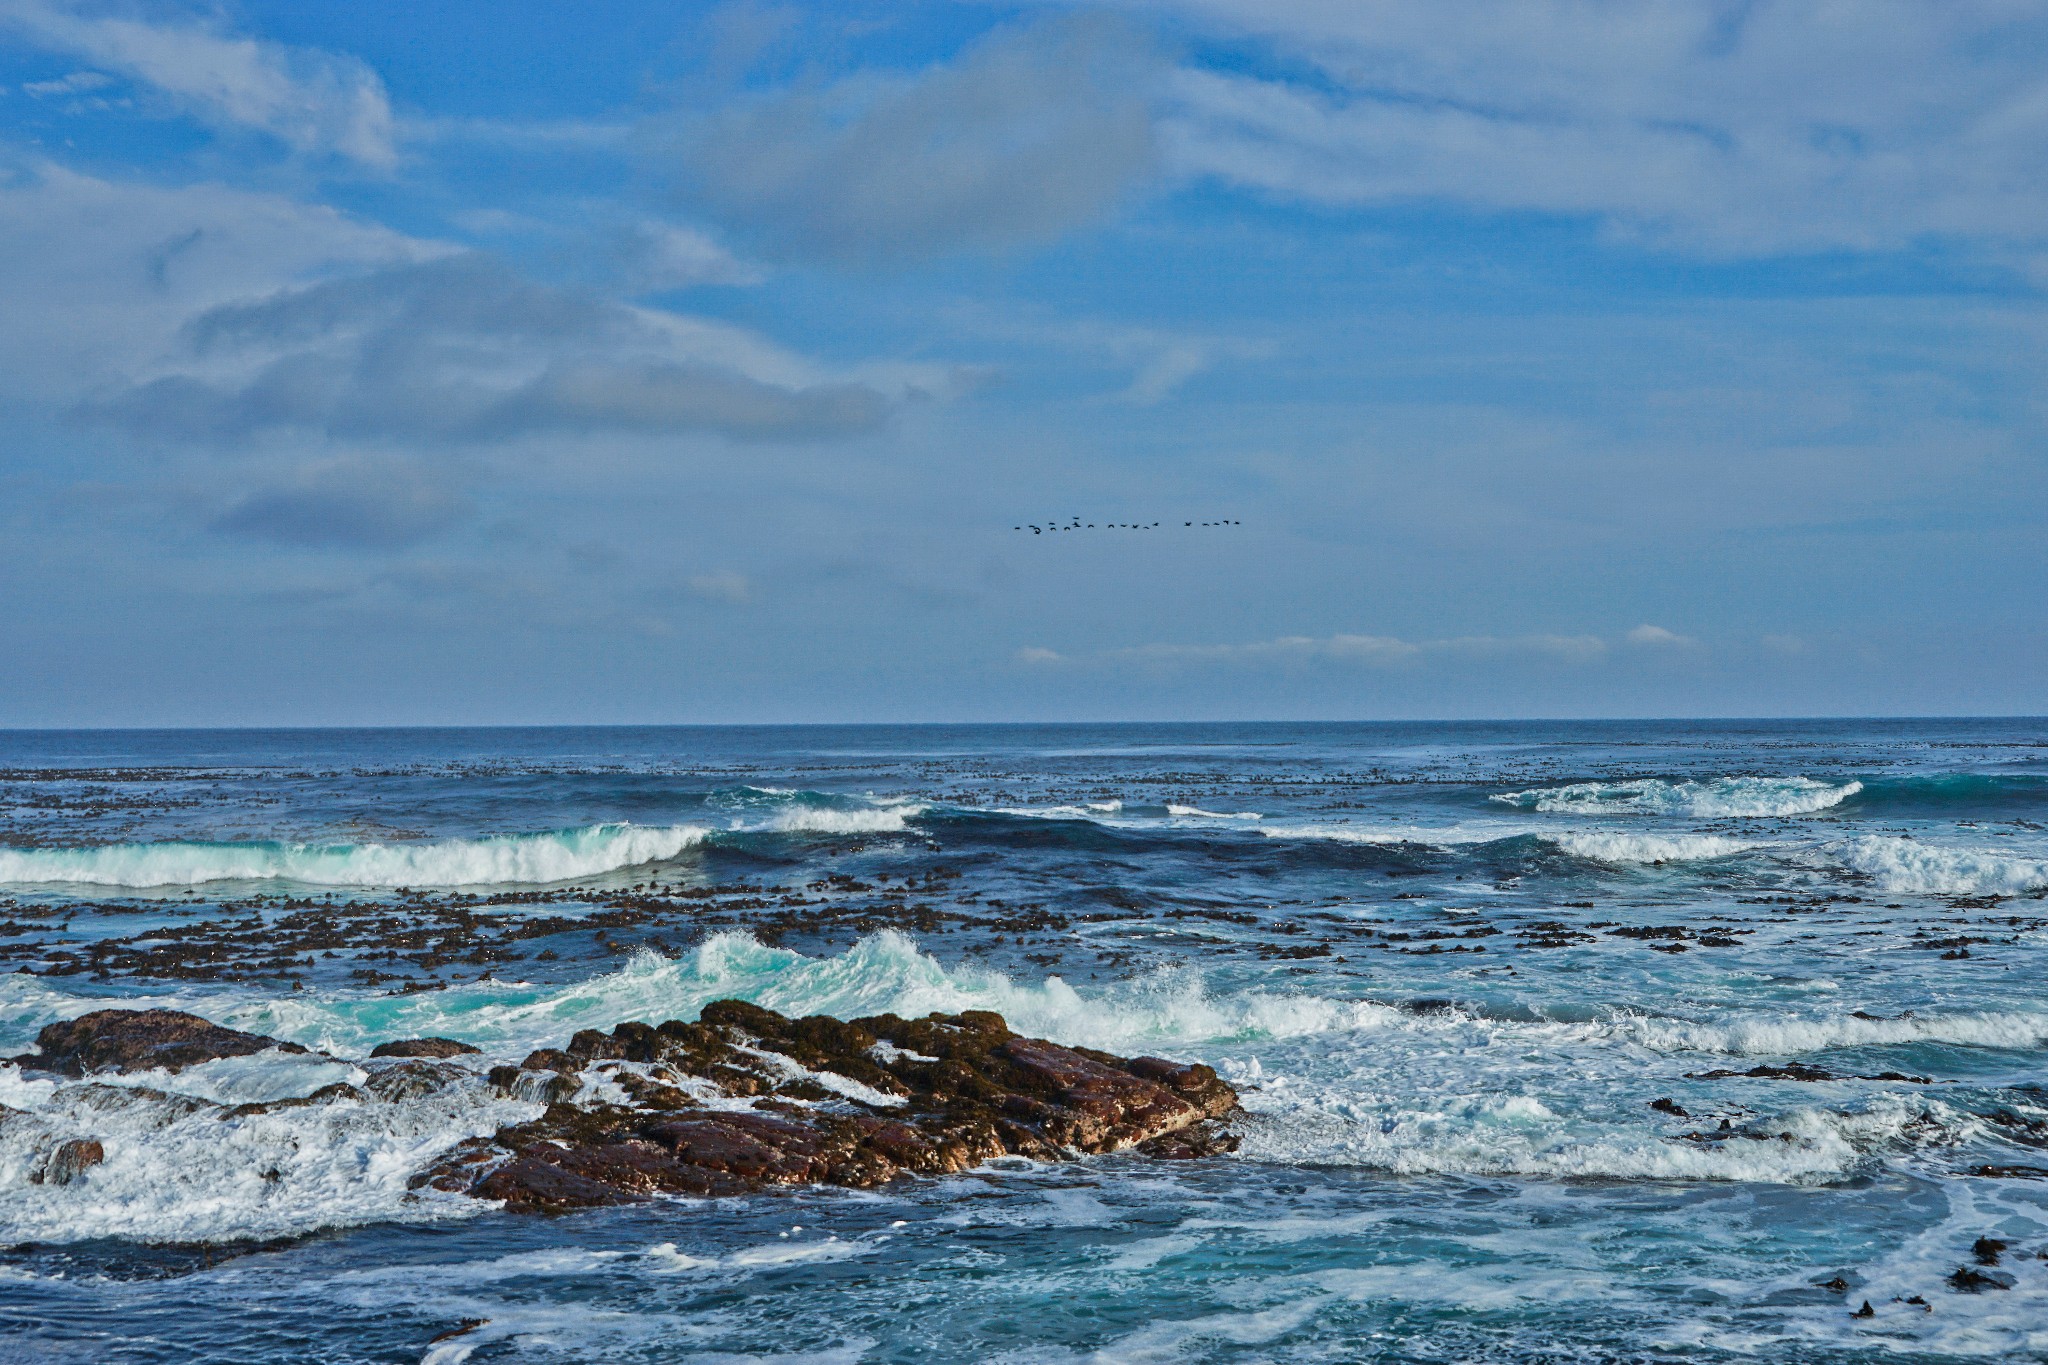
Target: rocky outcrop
x,y
741,1099
434,1049
139,1040
746,1098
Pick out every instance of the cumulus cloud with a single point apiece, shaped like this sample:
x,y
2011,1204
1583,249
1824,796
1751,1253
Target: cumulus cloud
x,y
1723,128
461,349
314,102
353,504
1027,134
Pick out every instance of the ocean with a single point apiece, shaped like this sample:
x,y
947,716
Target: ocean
x,y
1556,1041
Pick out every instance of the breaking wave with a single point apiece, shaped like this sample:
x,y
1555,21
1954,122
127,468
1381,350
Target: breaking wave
x,y
1912,867
1607,846
1720,798
805,819
559,855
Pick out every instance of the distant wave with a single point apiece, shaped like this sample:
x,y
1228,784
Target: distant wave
x,y
805,819
1603,846
1913,867
1186,811
1719,798
558,855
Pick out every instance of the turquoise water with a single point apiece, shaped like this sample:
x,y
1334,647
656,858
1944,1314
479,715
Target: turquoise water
x,y
1435,959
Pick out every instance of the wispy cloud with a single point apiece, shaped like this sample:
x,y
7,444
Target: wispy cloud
x,y
313,101
1724,128
1656,637
722,586
462,349
1364,651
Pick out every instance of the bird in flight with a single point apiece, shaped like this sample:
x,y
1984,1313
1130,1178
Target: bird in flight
x,y
1076,524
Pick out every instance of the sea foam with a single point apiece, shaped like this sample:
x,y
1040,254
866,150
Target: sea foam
x,y
1913,867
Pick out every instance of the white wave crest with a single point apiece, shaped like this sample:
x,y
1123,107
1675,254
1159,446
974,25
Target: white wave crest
x,y
1722,797
1198,813
1609,846
559,855
1778,1035
828,820
884,972
1435,836
1916,868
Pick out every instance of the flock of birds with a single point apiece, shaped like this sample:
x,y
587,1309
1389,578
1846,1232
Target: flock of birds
x,y
1078,525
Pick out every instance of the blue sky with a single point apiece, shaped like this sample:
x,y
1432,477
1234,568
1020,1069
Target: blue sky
x,y
622,362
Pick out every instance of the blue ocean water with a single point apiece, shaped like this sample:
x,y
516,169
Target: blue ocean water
x,y
1450,967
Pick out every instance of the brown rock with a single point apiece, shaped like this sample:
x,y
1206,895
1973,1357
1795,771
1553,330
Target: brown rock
x,y
139,1040
434,1049
875,1099
71,1160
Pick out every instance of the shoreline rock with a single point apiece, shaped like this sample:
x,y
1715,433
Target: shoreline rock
x,y
742,1099
746,1099
139,1040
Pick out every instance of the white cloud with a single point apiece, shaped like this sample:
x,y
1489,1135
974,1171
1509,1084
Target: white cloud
x,y
659,256
1727,128
78,82
722,586
1027,134
314,102
1656,637
1034,654
1367,651
100,275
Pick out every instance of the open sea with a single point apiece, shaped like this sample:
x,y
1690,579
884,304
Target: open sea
x,y
1558,1042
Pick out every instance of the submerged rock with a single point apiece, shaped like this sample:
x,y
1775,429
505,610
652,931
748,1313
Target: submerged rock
x,y
746,1098
139,1040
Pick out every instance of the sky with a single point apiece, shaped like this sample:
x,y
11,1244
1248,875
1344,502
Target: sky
x,y
529,363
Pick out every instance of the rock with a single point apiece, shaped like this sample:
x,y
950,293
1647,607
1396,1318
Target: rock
x,y
434,1049
1866,1311
414,1078
1987,1250
69,1161
1970,1280
139,1040
855,1102
1667,1105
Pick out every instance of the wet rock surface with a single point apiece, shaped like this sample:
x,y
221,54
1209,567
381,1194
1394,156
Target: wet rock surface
x,y
745,1099
434,1048
69,1161
139,1040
